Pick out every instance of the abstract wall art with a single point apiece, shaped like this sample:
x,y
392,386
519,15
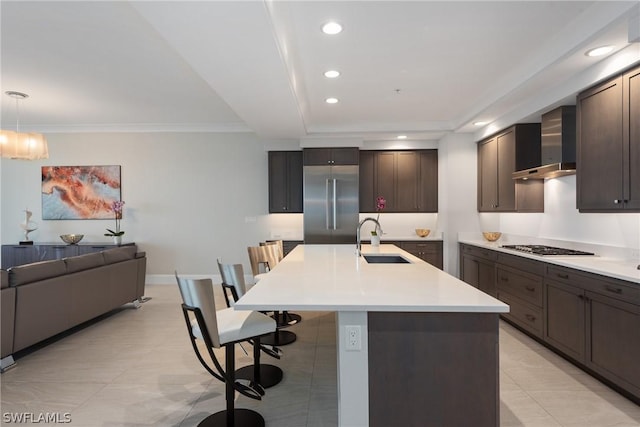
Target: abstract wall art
x,y
79,192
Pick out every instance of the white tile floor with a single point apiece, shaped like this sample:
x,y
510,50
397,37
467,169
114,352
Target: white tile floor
x,y
137,368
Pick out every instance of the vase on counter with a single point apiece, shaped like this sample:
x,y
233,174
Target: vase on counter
x,y
117,240
375,240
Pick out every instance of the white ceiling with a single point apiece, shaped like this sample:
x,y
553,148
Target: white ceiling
x,y
420,68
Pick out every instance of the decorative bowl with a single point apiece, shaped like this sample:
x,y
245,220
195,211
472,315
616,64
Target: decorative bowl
x,y
491,236
71,239
422,232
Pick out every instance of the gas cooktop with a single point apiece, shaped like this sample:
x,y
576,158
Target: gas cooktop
x,y
545,250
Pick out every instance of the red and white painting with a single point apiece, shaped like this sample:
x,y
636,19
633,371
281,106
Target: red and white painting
x,y
79,192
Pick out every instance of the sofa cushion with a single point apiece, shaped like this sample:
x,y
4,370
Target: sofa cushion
x,y
84,262
4,279
36,271
119,254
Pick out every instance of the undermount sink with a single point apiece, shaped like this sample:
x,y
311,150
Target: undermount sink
x,y
385,259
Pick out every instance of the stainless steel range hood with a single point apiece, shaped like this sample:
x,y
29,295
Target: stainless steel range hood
x,y
558,145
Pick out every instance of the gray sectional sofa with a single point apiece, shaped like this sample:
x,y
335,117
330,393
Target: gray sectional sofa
x,y
42,299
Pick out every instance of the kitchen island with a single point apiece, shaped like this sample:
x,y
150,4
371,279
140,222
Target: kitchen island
x,y
416,346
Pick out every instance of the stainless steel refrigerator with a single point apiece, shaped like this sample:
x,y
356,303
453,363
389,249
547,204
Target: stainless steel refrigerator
x,y
330,204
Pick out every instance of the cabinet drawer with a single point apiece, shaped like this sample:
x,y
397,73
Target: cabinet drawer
x,y
525,286
426,247
524,315
603,285
476,251
521,263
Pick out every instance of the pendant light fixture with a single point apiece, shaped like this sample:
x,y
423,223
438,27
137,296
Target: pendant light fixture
x,y
22,145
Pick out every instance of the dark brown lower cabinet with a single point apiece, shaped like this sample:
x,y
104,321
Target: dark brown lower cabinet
x,y
565,325
478,268
613,340
592,320
598,331
522,290
479,274
433,369
430,252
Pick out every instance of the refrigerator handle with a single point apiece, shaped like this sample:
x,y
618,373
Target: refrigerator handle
x,y
335,204
326,204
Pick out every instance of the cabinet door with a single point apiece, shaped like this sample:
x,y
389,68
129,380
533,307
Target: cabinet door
x,y
430,252
317,156
600,154
344,156
367,181
88,249
385,179
477,272
406,181
285,182
613,340
506,167
470,271
49,252
14,255
631,137
294,182
331,156
487,175
487,279
278,181
565,319
428,187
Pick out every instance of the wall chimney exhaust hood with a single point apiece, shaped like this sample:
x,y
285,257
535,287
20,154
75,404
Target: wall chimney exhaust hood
x,y
558,146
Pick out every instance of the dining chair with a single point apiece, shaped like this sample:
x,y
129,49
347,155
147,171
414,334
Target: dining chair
x,y
223,328
264,374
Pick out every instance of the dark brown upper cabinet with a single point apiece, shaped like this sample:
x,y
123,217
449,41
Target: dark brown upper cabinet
x,y
515,148
285,182
608,137
331,156
408,180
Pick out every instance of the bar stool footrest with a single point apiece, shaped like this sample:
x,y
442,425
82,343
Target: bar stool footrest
x,y
270,375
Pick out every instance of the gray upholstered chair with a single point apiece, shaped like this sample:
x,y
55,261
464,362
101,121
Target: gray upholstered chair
x,y
223,328
264,374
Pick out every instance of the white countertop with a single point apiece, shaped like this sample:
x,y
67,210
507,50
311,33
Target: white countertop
x,y
333,278
624,269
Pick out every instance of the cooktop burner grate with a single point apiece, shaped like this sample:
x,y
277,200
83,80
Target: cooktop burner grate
x,y
545,250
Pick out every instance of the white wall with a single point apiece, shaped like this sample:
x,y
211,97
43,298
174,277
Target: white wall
x,y
192,197
189,197
561,220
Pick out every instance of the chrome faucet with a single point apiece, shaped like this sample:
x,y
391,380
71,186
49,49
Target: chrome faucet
x,y
359,242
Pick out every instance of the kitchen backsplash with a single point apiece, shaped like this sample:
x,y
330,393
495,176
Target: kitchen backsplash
x,y
290,226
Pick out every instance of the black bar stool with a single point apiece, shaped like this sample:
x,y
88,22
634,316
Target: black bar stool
x,y
264,374
223,328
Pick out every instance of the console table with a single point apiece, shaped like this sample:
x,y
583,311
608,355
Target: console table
x,y
14,255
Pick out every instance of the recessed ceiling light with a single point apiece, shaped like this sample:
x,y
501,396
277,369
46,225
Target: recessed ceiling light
x,y
331,74
401,137
331,100
331,28
599,51
479,123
